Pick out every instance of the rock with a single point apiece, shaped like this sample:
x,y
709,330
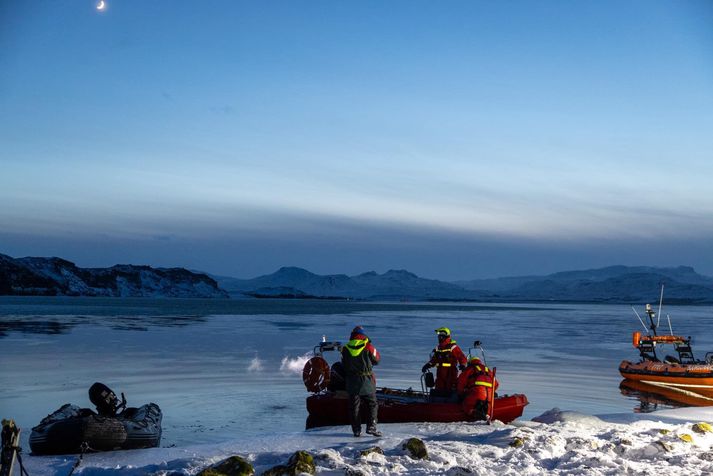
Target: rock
x,y
517,442
702,428
374,449
349,471
276,471
416,448
664,431
664,446
300,462
686,437
459,471
233,466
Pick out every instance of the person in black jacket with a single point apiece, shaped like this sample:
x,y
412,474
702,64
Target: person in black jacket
x,y
358,358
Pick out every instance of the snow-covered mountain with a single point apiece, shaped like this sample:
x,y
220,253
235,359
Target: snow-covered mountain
x,y
57,277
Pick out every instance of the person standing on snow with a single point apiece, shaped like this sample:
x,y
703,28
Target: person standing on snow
x,y
475,386
358,358
448,358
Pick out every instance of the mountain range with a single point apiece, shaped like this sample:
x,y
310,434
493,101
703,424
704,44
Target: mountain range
x,y
610,284
391,285
58,277
628,284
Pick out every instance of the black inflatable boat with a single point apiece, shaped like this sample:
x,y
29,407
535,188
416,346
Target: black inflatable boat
x,y
72,429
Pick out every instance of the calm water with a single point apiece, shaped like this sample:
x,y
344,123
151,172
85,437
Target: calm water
x,y
223,368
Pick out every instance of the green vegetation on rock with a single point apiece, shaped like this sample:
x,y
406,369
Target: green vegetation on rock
x,y
416,448
233,466
300,462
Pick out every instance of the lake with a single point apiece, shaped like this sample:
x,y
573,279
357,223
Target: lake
x,y
223,368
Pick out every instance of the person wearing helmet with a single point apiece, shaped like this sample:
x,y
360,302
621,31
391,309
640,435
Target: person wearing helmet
x,y
358,358
448,358
475,384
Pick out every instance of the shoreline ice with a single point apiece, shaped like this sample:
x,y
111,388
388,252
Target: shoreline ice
x,y
559,442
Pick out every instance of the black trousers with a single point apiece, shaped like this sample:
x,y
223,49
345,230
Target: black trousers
x,y
354,410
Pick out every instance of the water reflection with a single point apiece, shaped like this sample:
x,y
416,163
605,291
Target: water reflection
x,y
659,397
40,326
53,325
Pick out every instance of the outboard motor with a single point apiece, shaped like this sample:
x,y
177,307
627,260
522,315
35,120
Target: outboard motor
x,y
428,380
336,377
105,399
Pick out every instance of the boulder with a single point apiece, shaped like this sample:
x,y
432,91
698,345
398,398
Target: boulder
x,y
517,442
416,448
702,428
662,445
233,466
373,449
300,462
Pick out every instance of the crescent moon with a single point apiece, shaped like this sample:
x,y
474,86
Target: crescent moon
x,y
101,5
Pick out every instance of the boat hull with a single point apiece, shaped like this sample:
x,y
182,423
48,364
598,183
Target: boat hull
x,y
332,408
67,429
694,376
665,394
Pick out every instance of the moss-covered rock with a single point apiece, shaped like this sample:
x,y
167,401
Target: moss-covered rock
x,y
300,462
280,470
702,428
373,449
686,437
517,442
664,431
233,466
416,448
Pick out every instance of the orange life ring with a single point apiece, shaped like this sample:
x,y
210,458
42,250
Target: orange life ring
x,y
315,374
635,338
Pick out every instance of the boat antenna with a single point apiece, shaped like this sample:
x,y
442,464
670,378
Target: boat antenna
x,y
669,323
646,329
658,321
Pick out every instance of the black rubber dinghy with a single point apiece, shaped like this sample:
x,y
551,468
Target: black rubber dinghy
x,y
69,428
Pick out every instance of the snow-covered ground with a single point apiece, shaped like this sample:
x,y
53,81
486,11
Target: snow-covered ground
x,y
558,442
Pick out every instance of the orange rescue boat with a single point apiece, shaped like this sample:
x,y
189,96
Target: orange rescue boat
x,y
327,406
681,371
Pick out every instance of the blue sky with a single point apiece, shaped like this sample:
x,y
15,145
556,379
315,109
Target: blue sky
x,y
457,140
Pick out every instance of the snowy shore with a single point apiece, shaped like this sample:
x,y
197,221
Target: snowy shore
x,y
559,442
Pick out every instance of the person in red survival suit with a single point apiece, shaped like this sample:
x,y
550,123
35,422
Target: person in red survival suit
x,y
448,358
475,385
358,358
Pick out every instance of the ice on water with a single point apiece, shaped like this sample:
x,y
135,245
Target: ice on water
x,y
230,384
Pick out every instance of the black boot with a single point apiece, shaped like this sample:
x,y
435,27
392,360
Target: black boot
x,y
371,429
356,430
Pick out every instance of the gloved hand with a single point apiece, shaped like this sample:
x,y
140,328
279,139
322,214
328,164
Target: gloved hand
x,y
461,367
425,368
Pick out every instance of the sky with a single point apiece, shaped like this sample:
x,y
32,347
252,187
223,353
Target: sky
x,y
457,140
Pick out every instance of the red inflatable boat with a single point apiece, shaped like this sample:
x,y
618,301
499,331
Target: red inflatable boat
x,y
328,406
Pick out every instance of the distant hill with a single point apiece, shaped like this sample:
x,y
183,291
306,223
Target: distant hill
x,y
626,284
57,277
612,284
394,284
